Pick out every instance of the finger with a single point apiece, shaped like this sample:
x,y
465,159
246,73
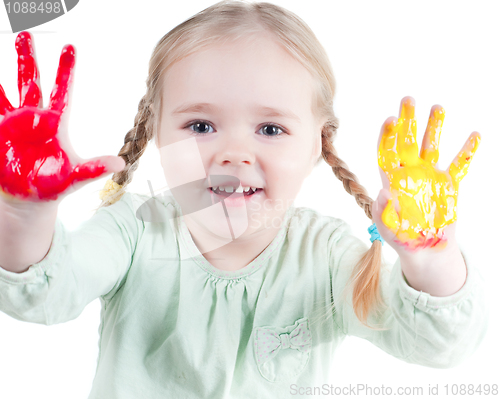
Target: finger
x,y
59,98
430,144
5,105
378,207
97,167
388,158
390,217
27,74
459,166
407,132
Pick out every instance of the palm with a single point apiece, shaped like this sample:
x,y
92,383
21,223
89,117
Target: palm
x,y
424,198
33,165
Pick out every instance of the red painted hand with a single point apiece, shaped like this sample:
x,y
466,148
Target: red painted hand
x,y
37,162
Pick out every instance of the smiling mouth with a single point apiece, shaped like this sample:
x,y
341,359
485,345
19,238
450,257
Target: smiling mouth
x,y
226,194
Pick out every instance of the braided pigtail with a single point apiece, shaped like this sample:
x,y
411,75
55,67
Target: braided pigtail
x,y
135,143
365,277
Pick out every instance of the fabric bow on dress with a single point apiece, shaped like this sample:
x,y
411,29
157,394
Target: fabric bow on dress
x,y
269,342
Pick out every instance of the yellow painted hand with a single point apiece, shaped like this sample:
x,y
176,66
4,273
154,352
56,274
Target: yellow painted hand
x,y
424,198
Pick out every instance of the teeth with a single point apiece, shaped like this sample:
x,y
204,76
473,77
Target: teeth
x,y
226,189
240,189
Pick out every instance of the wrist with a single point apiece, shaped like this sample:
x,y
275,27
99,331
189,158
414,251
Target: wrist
x,y
25,208
439,273
26,232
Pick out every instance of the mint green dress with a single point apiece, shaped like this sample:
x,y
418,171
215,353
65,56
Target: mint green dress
x,y
173,326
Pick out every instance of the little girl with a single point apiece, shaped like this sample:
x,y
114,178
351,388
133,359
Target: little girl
x,y
224,289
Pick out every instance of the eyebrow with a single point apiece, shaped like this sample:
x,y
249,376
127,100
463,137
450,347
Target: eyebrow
x,y
207,107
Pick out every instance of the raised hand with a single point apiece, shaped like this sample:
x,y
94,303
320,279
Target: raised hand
x,y
37,162
423,199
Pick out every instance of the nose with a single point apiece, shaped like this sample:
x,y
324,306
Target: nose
x,y
235,149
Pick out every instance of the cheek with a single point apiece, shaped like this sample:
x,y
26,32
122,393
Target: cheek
x,y
182,162
284,175
292,160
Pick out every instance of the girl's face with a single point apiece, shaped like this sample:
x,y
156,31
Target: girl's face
x,y
241,109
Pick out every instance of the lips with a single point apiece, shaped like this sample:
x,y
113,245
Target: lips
x,y
234,199
226,194
227,180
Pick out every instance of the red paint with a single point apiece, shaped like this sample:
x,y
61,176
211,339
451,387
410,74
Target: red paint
x,y
27,72
32,163
4,103
425,242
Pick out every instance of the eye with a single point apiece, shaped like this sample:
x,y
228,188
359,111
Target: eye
x,y
270,128
201,127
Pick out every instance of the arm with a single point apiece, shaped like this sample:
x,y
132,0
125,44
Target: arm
x,y
80,266
26,231
37,169
38,165
428,330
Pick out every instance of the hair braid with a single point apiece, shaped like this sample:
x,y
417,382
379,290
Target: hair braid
x,y
341,170
135,143
366,274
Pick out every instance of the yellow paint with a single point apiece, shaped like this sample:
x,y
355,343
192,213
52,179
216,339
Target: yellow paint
x,y
427,197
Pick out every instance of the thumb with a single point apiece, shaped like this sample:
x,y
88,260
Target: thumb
x,y
378,208
379,205
95,168
112,163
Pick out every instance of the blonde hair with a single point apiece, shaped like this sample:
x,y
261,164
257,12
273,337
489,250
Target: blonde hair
x,y
233,19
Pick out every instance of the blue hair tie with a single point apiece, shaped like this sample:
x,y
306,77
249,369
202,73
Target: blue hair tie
x,y
374,235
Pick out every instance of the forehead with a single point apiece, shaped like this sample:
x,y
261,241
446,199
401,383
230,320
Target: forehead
x,y
240,74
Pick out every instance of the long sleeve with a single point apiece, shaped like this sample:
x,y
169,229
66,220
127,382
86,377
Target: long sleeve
x,y
439,332
81,265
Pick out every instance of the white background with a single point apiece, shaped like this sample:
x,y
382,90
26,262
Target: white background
x,y
442,52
